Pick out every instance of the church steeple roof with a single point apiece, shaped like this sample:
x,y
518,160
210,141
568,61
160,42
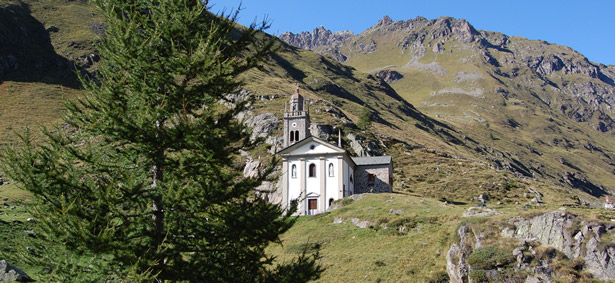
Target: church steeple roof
x,y
296,95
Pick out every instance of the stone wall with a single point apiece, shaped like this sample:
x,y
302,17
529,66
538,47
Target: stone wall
x,y
381,183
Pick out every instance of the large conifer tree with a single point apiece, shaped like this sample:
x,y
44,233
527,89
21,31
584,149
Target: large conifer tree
x,y
142,175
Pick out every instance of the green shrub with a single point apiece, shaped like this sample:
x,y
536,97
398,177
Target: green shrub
x,y
365,119
382,220
403,221
344,201
299,248
478,275
489,257
439,277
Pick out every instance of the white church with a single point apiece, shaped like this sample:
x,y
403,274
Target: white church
x,y
316,172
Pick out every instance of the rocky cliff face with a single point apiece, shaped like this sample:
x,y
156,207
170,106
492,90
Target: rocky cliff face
x,y
543,247
320,40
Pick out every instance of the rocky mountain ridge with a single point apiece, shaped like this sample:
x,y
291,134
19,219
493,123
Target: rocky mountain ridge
x,y
319,38
540,59
527,100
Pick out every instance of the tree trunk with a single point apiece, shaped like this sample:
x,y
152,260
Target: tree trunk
x,y
157,206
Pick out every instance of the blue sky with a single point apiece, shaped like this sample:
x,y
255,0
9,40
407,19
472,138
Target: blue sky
x,y
587,26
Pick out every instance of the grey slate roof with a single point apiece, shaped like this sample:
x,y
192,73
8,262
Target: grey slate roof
x,y
372,160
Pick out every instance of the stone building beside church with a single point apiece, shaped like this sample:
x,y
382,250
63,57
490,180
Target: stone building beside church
x,y
317,172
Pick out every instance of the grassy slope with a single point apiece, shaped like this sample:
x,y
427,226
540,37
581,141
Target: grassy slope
x,y
353,254
323,80
535,141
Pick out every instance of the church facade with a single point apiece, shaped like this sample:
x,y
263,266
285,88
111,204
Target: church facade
x,y
316,172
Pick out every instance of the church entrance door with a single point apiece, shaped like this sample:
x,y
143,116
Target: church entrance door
x,y
312,206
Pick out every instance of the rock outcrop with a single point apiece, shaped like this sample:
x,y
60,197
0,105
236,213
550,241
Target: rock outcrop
x,y
480,212
362,146
457,257
262,125
586,242
572,236
388,76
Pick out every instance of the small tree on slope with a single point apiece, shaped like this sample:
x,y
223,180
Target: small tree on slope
x,y
144,185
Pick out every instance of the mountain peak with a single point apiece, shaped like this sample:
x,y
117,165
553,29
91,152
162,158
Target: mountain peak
x,y
386,20
460,29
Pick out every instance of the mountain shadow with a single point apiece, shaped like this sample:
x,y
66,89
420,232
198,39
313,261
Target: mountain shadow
x,y
26,52
580,182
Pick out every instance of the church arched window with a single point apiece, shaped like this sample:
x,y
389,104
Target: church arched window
x,y
293,171
296,135
312,170
331,173
292,137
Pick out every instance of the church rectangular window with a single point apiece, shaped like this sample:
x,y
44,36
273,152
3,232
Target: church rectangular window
x,y
312,170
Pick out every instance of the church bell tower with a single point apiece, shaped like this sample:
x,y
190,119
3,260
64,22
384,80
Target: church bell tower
x,y
296,120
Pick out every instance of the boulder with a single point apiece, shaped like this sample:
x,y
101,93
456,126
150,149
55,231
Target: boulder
x,y
480,212
251,168
363,147
268,191
98,28
361,224
388,76
9,273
